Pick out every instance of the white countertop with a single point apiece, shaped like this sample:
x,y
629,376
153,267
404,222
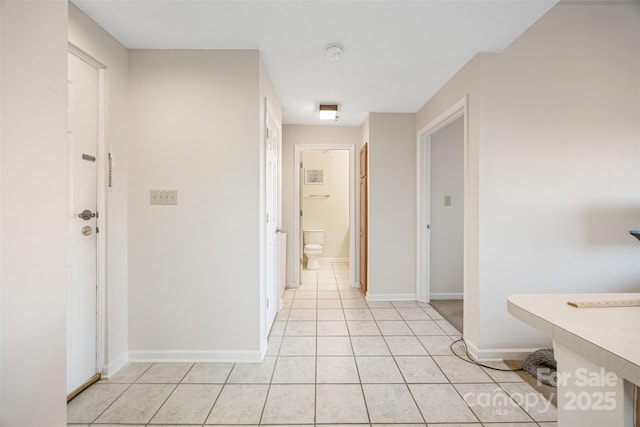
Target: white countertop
x,y
610,337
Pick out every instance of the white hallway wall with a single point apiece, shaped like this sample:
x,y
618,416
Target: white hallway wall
x,y
33,198
93,40
195,268
392,205
554,149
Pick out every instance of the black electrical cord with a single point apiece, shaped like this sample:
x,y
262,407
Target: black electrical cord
x,y
473,362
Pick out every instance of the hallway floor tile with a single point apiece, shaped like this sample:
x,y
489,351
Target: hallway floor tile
x,y
333,359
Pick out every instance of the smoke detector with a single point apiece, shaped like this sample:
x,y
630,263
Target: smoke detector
x,y
333,51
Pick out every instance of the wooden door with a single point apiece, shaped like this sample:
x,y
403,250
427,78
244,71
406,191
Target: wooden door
x,y
363,219
638,406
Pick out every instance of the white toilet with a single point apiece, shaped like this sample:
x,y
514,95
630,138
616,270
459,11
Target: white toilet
x,y
313,241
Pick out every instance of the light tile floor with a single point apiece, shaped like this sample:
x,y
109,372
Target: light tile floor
x,y
333,359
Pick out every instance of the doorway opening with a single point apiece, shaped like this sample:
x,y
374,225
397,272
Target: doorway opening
x,y
442,213
324,198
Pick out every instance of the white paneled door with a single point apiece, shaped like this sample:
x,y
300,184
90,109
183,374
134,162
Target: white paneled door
x,y
272,144
82,151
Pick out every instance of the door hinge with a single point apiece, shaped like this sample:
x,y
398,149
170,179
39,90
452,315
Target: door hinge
x,y
300,212
97,229
267,302
300,165
267,132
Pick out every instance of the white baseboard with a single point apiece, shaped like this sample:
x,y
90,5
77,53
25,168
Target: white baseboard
x,y
331,260
447,295
498,354
291,285
391,297
115,365
264,348
197,356
355,285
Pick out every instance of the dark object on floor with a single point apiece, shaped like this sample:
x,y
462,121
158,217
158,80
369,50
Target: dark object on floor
x,y
635,233
542,365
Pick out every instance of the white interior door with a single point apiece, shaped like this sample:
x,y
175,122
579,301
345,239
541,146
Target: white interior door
x,y
82,147
300,259
272,142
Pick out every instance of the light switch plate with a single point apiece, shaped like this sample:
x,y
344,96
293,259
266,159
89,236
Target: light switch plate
x,y
164,197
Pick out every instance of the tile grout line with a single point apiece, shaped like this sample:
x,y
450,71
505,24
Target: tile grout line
x,y
219,394
493,383
516,403
315,371
170,394
355,361
163,403
129,385
266,397
415,402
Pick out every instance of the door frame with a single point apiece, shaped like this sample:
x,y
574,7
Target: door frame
x,y
101,206
297,205
423,205
268,111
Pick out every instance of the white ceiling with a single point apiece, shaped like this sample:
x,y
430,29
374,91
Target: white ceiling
x,y
397,53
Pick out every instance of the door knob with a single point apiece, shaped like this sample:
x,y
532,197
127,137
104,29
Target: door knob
x,y
86,215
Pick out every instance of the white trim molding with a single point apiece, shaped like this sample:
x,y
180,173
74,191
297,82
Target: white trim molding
x,y
444,295
265,346
390,297
498,354
196,356
114,366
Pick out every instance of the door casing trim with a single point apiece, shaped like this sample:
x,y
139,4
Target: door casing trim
x,y
423,205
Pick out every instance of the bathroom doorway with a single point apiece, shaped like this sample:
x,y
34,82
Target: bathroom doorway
x,y
325,201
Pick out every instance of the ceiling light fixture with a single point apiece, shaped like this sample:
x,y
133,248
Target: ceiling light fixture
x,y
328,112
333,51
